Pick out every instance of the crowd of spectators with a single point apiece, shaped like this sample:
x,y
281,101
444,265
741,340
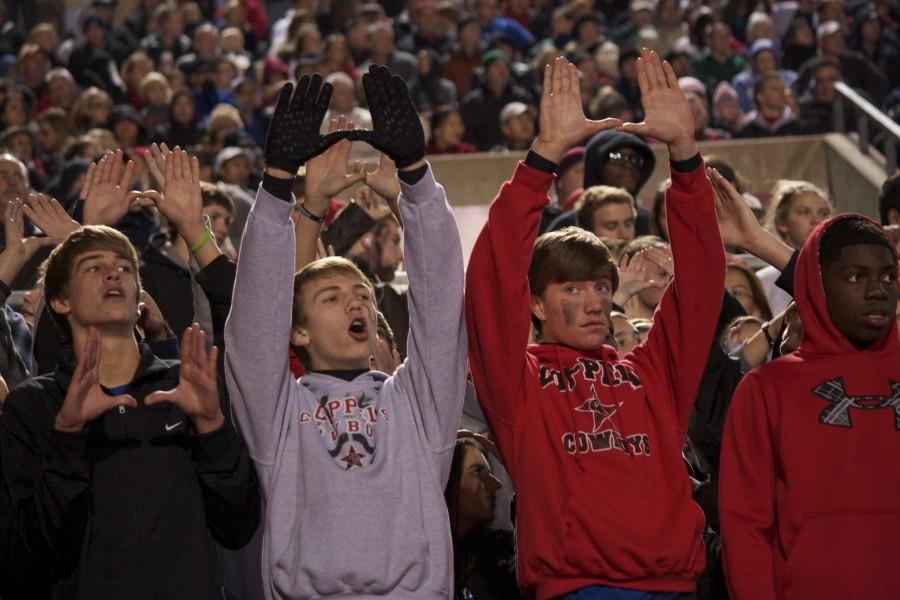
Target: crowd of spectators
x,y
152,138
84,77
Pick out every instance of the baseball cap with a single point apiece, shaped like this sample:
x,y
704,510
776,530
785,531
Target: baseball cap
x,y
513,109
226,154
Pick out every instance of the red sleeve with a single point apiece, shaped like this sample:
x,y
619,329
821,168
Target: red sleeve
x,y
498,302
747,495
685,321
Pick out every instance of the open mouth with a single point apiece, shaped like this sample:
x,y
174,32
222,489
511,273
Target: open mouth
x,y
113,293
359,330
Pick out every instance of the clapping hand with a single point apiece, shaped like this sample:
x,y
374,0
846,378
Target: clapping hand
x,y
197,393
667,115
107,193
85,400
562,120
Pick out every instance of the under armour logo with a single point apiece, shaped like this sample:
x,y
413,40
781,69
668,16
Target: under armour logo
x,y
838,414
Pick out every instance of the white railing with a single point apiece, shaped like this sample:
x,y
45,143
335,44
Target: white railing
x,y
867,114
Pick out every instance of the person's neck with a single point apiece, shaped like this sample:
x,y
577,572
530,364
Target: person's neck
x,y
719,56
495,89
771,113
870,47
119,354
463,528
325,365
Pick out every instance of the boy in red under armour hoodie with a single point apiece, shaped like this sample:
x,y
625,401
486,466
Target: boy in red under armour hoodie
x,y
810,483
593,441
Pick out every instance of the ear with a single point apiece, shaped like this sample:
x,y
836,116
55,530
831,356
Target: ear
x,y
60,306
537,308
782,228
893,216
299,337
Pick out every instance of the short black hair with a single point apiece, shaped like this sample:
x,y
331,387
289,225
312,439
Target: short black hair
x,y
889,197
849,231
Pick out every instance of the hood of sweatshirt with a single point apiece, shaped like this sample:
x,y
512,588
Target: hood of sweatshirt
x,y
820,335
597,153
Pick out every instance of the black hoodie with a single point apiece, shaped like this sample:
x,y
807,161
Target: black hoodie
x,y
127,508
596,154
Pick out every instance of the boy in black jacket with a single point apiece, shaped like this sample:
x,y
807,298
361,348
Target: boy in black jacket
x,y
117,486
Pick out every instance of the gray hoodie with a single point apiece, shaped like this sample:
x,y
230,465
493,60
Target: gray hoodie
x,y
353,473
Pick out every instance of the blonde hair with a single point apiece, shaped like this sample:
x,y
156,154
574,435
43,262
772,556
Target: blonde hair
x,y
783,194
155,78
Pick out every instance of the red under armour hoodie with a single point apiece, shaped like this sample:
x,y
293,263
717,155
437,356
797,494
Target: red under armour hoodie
x,y
593,441
810,469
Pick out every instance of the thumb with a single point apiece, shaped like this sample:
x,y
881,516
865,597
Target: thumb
x,y
595,126
635,128
162,396
124,400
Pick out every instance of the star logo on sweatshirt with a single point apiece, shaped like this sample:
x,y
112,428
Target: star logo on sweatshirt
x,y
353,458
602,412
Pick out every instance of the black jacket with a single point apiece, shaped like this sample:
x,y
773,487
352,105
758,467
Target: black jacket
x,y
128,508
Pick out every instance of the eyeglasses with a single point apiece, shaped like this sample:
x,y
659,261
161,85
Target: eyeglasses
x,y
626,159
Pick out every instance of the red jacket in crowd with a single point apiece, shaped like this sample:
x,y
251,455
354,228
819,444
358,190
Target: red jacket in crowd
x,y
593,441
810,470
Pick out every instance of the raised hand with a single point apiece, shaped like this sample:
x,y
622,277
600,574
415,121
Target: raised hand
x,y
634,277
396,128
562,120
326,174
181,201
19,249
107,193
293,137
49,216
85,399
197,393
667,115
383,181
739,227
156,163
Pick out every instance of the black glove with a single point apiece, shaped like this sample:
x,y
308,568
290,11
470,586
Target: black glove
x,y
293,137
397,130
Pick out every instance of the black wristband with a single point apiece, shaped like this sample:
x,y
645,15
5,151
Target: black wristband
x,y
278,187
767,335
5,289
413,177
686,166
536,161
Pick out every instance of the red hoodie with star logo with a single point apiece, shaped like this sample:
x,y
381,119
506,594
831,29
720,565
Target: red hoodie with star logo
x,y
593,441
810,469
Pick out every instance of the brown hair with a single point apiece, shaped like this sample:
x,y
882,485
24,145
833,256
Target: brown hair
x,y
783,194
597,196
756,290
569,254
211,194
57,269
642,243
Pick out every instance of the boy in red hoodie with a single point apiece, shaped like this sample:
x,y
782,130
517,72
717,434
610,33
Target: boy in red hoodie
x,y
593,441
810,482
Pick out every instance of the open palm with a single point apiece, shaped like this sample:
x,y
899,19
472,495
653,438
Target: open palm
x,y
197,393
562,120
107,193
667,115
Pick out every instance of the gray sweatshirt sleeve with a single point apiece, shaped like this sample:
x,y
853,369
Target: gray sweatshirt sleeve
x,y
434,373
257,333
